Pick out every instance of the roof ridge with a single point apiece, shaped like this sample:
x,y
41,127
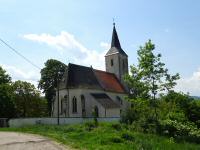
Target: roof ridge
x,y
104,71
78,65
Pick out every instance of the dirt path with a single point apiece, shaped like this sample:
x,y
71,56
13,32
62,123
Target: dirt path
x,y
20,141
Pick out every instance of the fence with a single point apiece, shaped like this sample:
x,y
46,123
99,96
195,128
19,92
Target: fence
x,y
18,122
3,122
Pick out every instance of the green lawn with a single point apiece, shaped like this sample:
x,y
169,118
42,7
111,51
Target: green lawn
x,y
107,136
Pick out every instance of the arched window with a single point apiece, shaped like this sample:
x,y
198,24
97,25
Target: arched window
x,y
96,111
119,100
83,101
62,105
74,105
83,105
111,62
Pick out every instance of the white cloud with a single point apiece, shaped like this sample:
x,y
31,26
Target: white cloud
x,y
66,42
105,45
19,74
190,84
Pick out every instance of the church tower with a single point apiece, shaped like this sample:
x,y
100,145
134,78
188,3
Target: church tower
x,y
116,59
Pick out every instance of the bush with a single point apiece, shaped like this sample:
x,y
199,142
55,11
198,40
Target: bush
x,y
116,139
90,126
181,131
127,136
116,126
128,116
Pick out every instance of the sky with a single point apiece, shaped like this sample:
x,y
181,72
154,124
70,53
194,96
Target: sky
x,y
80,32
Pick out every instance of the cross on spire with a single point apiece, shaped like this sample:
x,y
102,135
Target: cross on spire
x,y
113,21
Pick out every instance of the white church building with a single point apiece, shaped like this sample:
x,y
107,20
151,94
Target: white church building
x,y
85,90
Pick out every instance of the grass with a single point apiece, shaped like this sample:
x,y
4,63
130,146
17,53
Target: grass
x,y
111,136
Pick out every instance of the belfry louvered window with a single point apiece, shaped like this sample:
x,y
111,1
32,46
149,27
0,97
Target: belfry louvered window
x,y
111,62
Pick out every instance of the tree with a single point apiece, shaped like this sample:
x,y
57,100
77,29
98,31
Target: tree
x,y
50,75
7,108
27,100
4,78
150,76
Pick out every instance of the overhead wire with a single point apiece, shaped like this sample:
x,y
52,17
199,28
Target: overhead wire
x,y
18,53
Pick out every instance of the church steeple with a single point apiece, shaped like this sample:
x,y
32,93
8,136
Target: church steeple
x,y
116,59
115,44
115,40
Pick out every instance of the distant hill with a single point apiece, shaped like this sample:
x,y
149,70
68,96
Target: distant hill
x,y
196,97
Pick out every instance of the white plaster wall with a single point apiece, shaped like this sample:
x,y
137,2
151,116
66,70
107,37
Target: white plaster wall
x,y
115,68
113,112
90,102
33,121
118,68
62,93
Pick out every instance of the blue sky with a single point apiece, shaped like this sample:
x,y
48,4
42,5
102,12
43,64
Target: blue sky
x,y
80,32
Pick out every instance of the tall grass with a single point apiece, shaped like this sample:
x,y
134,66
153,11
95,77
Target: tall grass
x,y
105,136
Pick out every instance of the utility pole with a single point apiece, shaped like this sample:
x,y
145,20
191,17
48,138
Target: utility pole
x,y
58,121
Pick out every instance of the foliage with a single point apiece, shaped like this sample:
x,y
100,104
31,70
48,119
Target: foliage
x,y
105,136
50,75
7,109
173,114
150,75
95,115
4,78
139,109
181,130
27,100
178,117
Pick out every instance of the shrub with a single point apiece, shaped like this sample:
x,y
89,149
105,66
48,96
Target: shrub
x,y
128,116
181,131
116,139
90,126
116,126
127,136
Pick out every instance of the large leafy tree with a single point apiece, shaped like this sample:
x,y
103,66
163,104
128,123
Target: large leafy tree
x,y
27,100
150,76
7,108
50,75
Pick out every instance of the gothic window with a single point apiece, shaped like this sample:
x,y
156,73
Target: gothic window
x,y
111,62
83,101
62,100
120,112
83,105
96,111
74,105
119,100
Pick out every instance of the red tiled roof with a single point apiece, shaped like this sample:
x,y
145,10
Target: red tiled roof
x,y
109,81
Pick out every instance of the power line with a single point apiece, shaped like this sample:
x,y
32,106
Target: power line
x,y
26,59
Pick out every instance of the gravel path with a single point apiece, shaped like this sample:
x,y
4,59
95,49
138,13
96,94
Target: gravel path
x,y
21,141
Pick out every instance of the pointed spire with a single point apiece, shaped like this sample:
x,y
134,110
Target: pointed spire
x,y
115,40
115,44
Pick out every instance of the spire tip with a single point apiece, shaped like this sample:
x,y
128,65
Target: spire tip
x,y
113,21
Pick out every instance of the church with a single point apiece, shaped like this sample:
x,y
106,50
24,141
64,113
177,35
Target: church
x,y
84,91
